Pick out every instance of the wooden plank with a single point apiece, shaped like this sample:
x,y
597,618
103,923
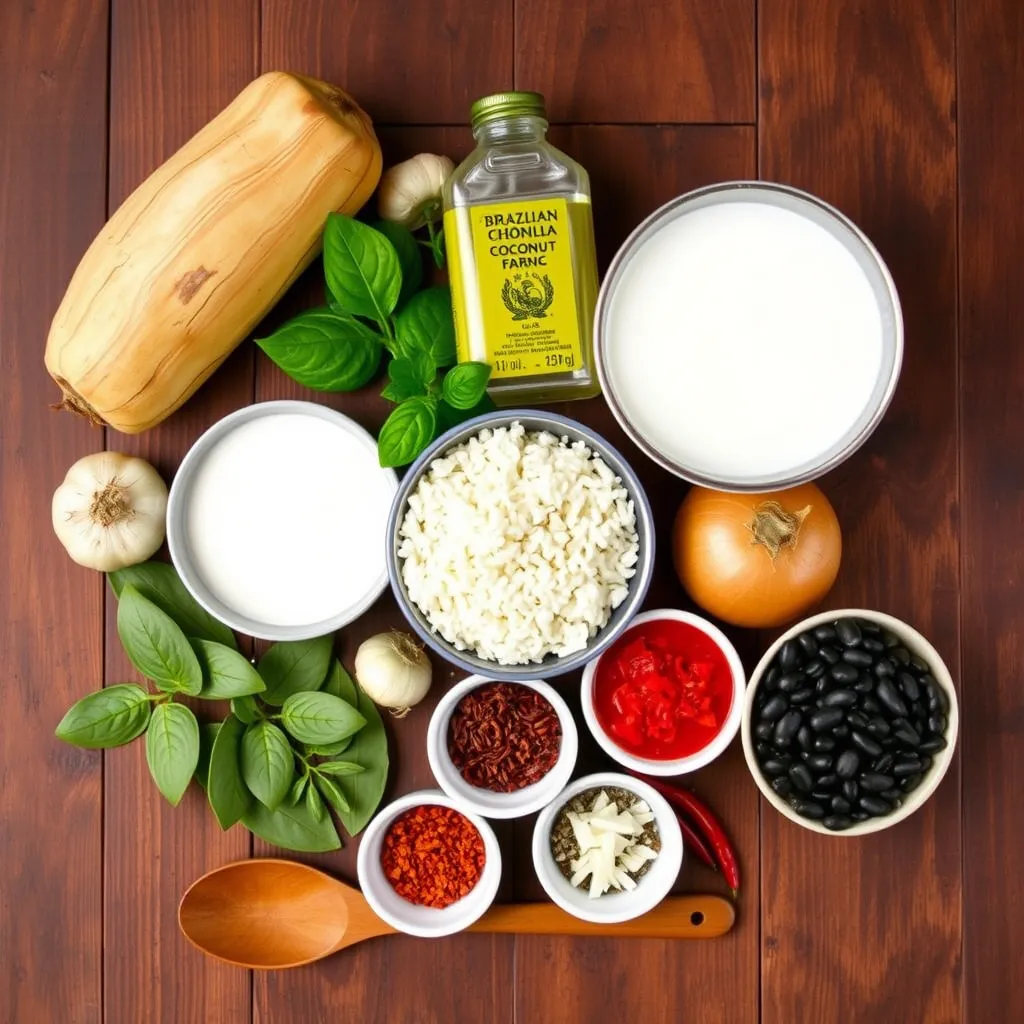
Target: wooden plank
x,y
989,44
174,66
633,61
418,62
53,73
560,980
857,106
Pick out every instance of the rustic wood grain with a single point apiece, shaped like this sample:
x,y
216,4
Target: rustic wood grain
x,y
857,106
991,38
637,61
174,66
416,62
561,980
53,72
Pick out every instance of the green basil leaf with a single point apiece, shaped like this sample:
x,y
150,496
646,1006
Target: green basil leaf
x,y
294,666
363,792
334,795
407,431
409,375
226,673
340,768
245,709
325,351
362,269
298,788
314,804
207,737
328,749
268,763
320,718
465,385
226,789
160,583
447,417
172,749
409,258
155,644
292,828
339,683
106,718
426,325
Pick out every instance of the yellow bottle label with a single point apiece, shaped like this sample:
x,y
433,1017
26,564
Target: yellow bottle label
x,y
513,291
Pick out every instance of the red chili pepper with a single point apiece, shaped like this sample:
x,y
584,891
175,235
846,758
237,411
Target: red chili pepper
x,y
695,843
711,827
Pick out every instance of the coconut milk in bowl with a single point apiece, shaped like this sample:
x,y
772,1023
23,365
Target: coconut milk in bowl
x,y
749,337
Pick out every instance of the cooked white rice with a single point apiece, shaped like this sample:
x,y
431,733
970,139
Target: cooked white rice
x,y
518,544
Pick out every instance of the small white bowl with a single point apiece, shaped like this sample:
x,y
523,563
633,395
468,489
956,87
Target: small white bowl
x,y
612,907
916,644
410,918
705,755
500,805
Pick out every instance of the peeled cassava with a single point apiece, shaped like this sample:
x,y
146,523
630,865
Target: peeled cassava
x,y
202,249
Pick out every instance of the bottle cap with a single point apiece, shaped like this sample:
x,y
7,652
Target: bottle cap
x,y
506,104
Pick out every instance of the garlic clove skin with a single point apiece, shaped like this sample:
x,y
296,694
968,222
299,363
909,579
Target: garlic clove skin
x,y
410,188
110,511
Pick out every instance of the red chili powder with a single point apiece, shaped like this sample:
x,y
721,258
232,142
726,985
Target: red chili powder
x,y
432,856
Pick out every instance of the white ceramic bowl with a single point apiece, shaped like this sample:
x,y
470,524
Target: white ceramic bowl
x,y
703,756
916,644
612,907
426,922
500,805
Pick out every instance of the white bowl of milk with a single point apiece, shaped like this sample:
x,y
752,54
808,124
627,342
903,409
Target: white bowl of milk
x,y
748,336
277,517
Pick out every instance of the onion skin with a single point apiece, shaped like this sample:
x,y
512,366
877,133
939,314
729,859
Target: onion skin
x,y
729,574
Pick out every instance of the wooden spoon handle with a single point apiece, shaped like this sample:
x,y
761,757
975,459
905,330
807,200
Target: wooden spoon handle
x,y
679,917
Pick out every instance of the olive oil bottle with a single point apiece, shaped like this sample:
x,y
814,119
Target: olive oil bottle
x,y
520,242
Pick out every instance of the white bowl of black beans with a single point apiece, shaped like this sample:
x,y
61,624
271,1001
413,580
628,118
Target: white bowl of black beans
x,y
850,722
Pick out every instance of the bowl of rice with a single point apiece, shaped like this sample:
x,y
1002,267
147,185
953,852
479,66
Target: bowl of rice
x,y
520,545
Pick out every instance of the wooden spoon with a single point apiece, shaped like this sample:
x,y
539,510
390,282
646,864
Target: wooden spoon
x,y
272,914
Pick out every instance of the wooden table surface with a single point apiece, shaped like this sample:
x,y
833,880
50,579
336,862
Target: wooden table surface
x,y
903,113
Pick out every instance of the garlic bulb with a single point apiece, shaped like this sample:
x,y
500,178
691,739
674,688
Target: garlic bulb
x,y
409,189
393,671
110,511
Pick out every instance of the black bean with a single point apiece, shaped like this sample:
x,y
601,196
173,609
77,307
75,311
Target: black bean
x,y
894,796
870,627
920,715
829,781
873,644
882,764
763,750
819,762
926,763
848,632
843,673
821,796
847,764
825,718
825,633
789,656
839,699
863,685
932,745
791,681
866,743
876,783
900,653
786,728
808,644
890,697
764,730
805,738
937,724
910,783
830,654
907,734
879,727
813,669
841,805
804,696
937,699
870,705
860,815
841,732
775,708
890,742
824,744
850,790
857,720
837,822
906,766
859,657
822,683
884,667
890,640
908,684
800,776
774,766
919,666
782,785
809,809
875,805
771,677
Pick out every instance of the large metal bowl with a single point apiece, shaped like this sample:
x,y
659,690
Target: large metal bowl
x,y
620,618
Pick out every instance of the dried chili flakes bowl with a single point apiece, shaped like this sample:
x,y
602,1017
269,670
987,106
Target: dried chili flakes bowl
x,y
503,748
421,886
